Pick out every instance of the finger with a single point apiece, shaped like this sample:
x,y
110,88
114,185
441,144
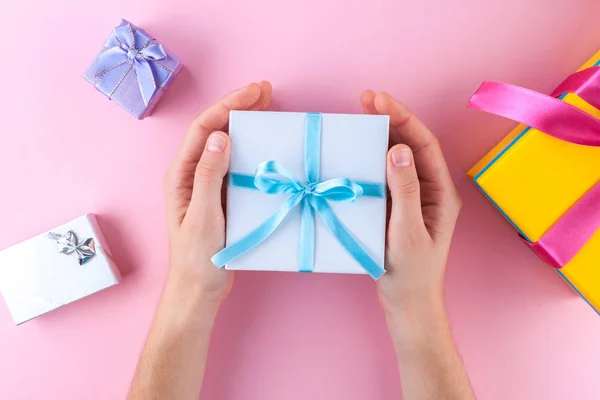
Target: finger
x,y
367,100
213,119
406,128
208,179
179,179
406,219
264,101
262,104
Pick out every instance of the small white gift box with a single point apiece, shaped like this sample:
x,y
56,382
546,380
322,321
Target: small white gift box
x,y
56,268
327,146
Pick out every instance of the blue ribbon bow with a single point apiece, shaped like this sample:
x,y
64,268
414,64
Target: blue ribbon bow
x,y
314,195
129,50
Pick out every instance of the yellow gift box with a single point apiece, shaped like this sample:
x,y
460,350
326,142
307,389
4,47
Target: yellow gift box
x,y
534,179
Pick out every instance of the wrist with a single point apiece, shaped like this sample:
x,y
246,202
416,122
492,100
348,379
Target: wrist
x,y
185,304
416,320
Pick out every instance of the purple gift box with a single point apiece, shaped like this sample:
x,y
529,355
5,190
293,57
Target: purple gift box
x,y
133,69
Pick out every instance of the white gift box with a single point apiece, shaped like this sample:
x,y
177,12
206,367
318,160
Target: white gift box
x,y
35,277
352,146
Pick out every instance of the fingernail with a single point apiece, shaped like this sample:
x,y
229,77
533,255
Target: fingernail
x,y
401,158
216,143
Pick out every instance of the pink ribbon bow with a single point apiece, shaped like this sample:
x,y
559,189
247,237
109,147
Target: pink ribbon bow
x,y
563,121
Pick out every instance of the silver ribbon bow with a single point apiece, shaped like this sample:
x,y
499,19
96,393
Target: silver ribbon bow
x,y
67,244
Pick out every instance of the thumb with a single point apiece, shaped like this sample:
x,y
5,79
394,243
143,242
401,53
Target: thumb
x,y
406,218
210,171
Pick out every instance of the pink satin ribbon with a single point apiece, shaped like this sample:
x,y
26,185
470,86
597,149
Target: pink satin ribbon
x,y
568,236
563,121
585,84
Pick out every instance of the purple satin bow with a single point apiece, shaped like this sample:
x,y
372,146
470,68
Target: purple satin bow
x,y
565,122
126,46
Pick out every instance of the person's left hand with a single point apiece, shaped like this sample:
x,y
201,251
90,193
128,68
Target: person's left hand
x,y
192,189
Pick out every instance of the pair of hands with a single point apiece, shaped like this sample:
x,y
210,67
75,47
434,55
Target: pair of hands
x,y
423,208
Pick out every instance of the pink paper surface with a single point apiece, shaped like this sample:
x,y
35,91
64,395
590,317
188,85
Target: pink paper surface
x,y
66,150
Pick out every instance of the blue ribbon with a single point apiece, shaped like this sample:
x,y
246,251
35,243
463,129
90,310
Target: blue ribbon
x,y
129,50
313,196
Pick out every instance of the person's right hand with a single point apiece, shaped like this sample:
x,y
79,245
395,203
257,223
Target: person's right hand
x,y
193,192
424,208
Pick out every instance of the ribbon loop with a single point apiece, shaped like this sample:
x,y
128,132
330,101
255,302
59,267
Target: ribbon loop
x,y
266,184
585,84
547,114
341,190
124,36
153,52
313,196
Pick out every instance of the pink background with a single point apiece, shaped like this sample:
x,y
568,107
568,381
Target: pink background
x,y
65,150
